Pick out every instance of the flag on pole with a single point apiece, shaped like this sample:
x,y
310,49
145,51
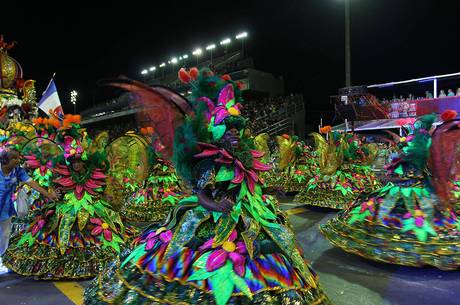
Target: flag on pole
x,y
50,103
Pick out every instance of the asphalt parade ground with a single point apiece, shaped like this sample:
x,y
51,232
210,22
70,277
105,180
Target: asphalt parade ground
x,y
346,278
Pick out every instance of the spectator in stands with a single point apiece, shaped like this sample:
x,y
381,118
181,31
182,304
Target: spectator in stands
x,y
442,94
450,92
428,94
458,91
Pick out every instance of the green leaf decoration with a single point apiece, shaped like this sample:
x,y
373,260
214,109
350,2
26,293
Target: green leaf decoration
x,y
241,284
394,190
185,230
170,199
252,229
216,215
217,131
222,286
65,227
201,274
200,263
225,174
27,237
135,255
286,241
83,217
399,170
243,191
406,191
224,228
357,216
236,212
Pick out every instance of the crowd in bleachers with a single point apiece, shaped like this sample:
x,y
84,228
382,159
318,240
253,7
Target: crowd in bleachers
x,y
264,113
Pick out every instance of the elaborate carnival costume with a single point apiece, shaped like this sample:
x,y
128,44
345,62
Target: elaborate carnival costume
x,y
17,96
227,244
151,186
341,171
73,238
411,220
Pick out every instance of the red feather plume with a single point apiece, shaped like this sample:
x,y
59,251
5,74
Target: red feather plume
x,y
444,159
159,107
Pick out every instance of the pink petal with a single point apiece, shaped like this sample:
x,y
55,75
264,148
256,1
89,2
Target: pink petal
x,y
419,221
108,235
98,175
257,154
257,165
226,155
151,235
207,145
225,95
207,245
241,247
33,163
96,231
221,114
252,175
216,260
166,236
79,188
251,184
150,243
35,229
239,175
238,263
41,223
96,221
233,236
223,160
206,153
65,181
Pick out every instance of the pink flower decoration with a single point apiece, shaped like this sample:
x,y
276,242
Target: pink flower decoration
x,y
153,238
101,227
241,173
229,250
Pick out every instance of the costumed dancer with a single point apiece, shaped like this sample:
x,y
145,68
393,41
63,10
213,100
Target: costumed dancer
x,y
72,238
341,172
11,175
226,244
412,220
150,184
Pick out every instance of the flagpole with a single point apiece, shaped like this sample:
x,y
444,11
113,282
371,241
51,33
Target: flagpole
x,y
52,77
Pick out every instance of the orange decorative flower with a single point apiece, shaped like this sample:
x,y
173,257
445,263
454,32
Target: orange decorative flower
x,y
325,129
448,115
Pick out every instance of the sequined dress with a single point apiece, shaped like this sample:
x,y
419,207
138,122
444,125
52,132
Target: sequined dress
x,y
69,239
203,257
152,201
404,222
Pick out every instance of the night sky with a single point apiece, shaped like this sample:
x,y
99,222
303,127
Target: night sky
x,y
301,40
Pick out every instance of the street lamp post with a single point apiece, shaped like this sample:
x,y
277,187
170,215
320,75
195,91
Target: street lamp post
x,y
210,48
197,53
242,36
73,100
347,45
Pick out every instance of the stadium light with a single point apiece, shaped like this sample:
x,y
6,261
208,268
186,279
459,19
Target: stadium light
x,y
169,62
185,56
197,52
242,35
153,68
73,100
225,41
145,71
174,60
210,47
162,65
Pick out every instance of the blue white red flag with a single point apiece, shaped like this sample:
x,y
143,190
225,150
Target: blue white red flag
x,y
50,103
